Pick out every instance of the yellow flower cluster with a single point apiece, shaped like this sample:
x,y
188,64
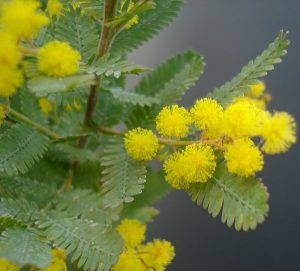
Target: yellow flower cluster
x,y
178,120
136,256
20,20
141,144
207,115
45,105
54,8
58,58
278,132
196,164
228,130
7,266
57,262
256,90
243,157
132,231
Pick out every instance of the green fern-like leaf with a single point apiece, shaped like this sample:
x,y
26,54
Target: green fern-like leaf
x,y
20,148
254,70
43,86
167,83
91,245
155,189
115,66
27,189
150,23
108,111
86,204
79,31
133,98
23,247
123,177
19,211
30,108
243,202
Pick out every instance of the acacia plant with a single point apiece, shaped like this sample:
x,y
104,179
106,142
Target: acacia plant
x,y
77,188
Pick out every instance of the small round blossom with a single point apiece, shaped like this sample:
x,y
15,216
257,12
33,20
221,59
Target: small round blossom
x,y
132,232
54,8
241,119
207,115
2,114
195,164
45,105
243,158
10,80
129,260
278,132
22,18
158,254
10,54
58,58
256,90
57,262
141,144
7,266
173,121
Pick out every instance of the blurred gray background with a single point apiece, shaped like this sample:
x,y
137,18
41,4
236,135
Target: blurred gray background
x,y
229,33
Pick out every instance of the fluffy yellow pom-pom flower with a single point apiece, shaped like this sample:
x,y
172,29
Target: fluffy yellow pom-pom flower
x,y
132,232
257,90
173,121
9,52
195,164
141,144
2,114
58,58
158,254
57,262
278,132
22,18
241,119
7,266
243,158
54,8
45,105
207,115
129,260
10,80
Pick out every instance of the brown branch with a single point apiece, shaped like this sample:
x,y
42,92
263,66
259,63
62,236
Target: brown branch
x,y
105,40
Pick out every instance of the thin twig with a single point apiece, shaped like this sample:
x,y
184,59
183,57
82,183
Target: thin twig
x,y
33,124
171,142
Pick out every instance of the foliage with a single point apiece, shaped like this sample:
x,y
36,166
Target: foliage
x,y
243,201
254,70
20,147
123,176
167,83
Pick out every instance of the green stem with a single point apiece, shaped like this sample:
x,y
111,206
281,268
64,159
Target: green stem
x,y
33,124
